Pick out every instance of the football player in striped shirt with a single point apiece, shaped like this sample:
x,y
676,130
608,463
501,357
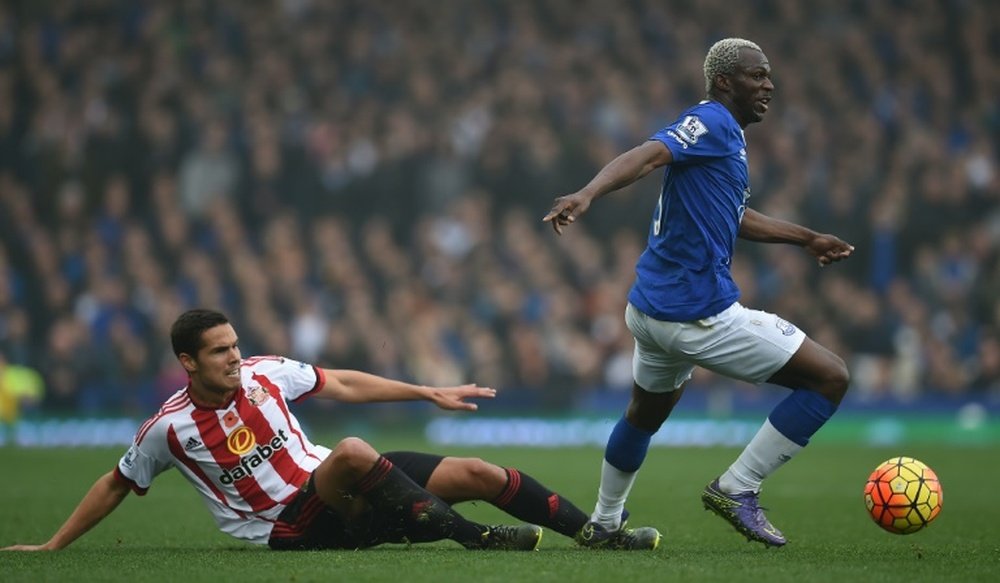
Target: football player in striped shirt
x,y
231,434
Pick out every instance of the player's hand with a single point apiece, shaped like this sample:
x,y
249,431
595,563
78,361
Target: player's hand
x,y
566,209
829,249
453,398
26,548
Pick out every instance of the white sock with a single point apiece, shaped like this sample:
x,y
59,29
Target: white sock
x,y
615,486
766,452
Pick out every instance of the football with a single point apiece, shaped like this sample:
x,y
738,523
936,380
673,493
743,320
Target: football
x,y
903,495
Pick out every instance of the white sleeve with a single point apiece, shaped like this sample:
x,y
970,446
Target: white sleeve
x,y
296,380
146,459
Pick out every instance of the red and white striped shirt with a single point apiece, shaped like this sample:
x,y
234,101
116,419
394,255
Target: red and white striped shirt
x,y
247,459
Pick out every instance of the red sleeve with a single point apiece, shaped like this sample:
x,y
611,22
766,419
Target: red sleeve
x,y
320,382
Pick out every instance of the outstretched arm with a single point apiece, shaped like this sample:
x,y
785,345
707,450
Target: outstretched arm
x,y
104,496
825,248
619,173
351,386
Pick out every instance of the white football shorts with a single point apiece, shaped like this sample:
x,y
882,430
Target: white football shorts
x,y
744,344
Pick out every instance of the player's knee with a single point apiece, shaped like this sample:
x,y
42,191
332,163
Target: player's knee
x,y
354,453
648,411
838,379
843,379
648,417
484,476
644,418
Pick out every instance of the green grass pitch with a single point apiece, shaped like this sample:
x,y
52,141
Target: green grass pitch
x,y
816,500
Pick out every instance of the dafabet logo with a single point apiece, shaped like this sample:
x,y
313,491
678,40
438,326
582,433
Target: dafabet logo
x,y
241,441
251,457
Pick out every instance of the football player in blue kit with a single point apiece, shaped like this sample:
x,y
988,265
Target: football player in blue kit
x,y
684,310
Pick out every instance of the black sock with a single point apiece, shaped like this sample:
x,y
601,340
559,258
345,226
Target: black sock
x,y
523,497
423,517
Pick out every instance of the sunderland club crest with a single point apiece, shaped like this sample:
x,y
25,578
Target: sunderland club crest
x,y
257,395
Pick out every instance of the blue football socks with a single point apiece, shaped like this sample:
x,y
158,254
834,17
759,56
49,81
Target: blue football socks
x,y
799,415
625,452
627,446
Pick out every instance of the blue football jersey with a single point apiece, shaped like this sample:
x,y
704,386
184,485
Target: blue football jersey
x,y
684,272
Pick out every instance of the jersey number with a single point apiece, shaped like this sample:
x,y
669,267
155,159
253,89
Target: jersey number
x,y
658,216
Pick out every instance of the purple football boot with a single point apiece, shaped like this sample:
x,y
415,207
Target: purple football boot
x,y
743,512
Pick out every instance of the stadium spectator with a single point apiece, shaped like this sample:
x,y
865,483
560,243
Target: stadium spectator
x,y
230,433
209,172
338,126
21,389
684,309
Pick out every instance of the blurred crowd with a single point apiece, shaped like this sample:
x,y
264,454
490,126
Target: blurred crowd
x,y
361,184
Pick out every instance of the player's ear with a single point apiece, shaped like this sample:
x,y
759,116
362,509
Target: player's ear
x,y
723,83
189,363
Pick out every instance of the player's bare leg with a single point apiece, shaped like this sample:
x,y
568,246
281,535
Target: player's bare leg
x,y
339,473
648,411
511,490
520,495
626,451
819,380
460,479
815,368
624,454
355,470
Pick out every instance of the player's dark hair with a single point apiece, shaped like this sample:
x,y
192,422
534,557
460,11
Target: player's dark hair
x,y
186,331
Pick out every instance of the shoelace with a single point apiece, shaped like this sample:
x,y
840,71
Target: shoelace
x,y
757,510
758,513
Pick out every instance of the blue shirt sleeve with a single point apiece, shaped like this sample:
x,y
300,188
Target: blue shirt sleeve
x,y
699,134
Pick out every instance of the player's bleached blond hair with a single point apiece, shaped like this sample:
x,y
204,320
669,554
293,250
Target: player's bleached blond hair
x,y
723,57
